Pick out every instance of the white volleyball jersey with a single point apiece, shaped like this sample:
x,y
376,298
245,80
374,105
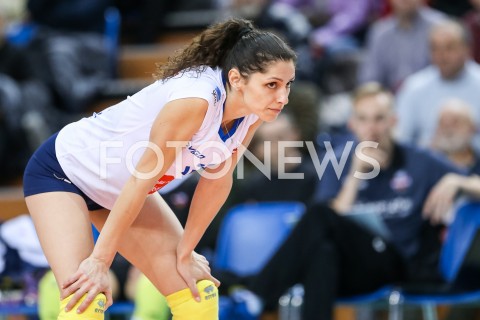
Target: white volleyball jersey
x,y
100,153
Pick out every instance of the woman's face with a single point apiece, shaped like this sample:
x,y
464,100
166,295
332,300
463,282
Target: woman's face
x,y
265,94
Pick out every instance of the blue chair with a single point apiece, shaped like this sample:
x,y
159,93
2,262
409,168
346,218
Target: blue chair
x,y
249,235
379,296
21,33
290,304
459,265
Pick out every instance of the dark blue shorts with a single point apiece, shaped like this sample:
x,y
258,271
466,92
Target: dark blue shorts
x,y
44,174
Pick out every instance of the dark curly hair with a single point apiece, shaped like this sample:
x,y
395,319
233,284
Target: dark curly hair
x,y
235,43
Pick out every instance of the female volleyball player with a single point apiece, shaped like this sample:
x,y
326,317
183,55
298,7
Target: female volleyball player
x,y
207,101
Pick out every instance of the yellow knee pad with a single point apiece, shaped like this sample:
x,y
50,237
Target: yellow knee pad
x,y
184,307
94,311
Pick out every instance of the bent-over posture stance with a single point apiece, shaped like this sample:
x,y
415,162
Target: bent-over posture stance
x,y
206,104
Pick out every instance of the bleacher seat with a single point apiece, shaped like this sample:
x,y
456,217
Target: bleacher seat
x,y
248,237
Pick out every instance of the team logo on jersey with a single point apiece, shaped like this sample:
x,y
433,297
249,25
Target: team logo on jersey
x,y
216,94
401,181
195,152
162,182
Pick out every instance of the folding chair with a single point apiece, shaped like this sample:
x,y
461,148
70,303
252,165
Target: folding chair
x,y
249,235
290,304
459,265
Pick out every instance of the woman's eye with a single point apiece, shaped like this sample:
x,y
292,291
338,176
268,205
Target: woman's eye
x,y
272,85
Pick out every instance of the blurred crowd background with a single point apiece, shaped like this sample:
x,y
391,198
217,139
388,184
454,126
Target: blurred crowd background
x,y
61,60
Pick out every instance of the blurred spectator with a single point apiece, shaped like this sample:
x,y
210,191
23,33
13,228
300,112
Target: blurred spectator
x,y
72,53
22,262
24,100
336,23
338,28
454,135
451,75
375,235
284,19
397,45
74,65
287,21
326,34
143,21
472,21
69,15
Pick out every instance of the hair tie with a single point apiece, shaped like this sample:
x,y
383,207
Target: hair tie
x,y
244,31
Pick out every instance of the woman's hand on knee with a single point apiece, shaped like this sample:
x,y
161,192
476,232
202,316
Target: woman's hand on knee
x,y
90,279
193,268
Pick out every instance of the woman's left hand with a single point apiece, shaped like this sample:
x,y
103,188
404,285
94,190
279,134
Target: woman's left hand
x,y
193,268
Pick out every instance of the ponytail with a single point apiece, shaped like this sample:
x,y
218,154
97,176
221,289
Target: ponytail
x,y
235,43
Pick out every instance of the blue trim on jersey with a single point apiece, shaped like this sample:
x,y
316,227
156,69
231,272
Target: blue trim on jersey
x,y
231,132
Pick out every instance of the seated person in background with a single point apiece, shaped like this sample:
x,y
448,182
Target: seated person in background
x,y
454,135
72,53
328,57
397,46
24,101
331,252
452,75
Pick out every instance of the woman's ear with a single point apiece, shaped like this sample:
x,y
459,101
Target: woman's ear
x,y
234,78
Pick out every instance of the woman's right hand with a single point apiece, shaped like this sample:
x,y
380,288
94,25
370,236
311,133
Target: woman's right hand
x,y
193,268
91,279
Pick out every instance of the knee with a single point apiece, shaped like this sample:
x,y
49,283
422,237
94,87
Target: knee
x,y
95,311
184,307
